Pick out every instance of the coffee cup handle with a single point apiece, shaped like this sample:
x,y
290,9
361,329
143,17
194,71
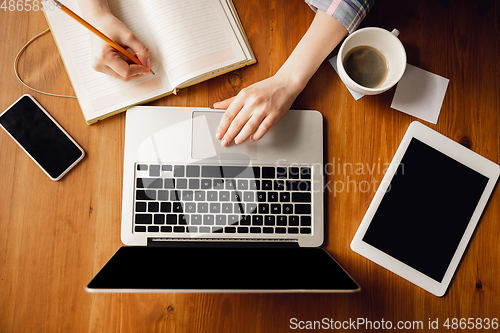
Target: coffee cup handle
x,y
395,32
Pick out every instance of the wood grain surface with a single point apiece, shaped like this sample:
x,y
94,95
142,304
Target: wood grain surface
x,y
54,236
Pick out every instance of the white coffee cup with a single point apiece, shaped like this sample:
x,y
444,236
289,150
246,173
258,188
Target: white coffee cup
x,y
388,44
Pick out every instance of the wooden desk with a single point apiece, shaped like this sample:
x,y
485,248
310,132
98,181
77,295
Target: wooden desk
x,y
54,236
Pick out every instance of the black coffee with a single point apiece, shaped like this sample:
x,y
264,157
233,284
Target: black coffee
x,y
366,66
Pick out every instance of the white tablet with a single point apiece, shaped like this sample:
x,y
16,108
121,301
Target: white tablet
x,y
426,208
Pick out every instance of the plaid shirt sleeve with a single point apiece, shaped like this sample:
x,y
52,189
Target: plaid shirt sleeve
x,y
348,12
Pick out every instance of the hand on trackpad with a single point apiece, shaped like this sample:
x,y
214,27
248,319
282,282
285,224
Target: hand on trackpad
x,y
205,145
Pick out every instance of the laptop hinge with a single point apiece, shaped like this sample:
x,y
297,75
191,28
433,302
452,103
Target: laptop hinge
x,y
223,243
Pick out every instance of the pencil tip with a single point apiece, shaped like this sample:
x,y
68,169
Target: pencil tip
x,y
152,71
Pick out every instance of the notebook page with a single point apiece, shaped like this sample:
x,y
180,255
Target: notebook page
x,y
97,93
193,37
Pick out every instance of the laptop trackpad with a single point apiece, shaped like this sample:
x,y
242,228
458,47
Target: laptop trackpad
x,y
205,144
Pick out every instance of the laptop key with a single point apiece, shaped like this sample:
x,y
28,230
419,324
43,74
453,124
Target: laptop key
x,y
204,230
169,183
267,185
171,219
287,208
208,220
183,219
230,230
166,207
281,220
305,230
301,197
149,183
293,173
243,230
166,167
227,208
268,230
189,207
143,218
245,220
199,195
202,207
275,209
270,220
145,195
233,219
178,170
159,219
242,184
166,228
177,207
255,230
268,172
196,219
305,221
218,184
140,228
192,171
154,170
305,173
175,195
257,220
163,195
263,208
182,183
153,228
293,220
206,184
295,185
153,207
187,195
194,184
302,208
230,184
272,196
140,206
209,171
220,219
248,196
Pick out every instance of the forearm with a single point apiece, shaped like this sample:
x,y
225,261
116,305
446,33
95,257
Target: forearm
x,y
324,34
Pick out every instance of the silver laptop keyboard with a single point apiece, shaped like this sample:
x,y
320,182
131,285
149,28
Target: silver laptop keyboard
x,y
222,199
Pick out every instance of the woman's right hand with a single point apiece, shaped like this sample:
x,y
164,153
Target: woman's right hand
x,y
106,59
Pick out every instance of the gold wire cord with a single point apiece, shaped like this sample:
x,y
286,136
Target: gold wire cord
x,y
17,72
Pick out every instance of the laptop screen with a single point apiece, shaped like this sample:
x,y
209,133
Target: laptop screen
x,y
222,269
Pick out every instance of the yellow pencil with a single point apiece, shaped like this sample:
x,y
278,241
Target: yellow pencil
x,y
105,38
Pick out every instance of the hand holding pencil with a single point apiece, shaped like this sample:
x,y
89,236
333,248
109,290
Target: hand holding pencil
x,y
110,40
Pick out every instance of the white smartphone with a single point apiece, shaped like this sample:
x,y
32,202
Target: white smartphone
x,y
41,137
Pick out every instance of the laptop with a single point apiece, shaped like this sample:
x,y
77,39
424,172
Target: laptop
x,y
199,217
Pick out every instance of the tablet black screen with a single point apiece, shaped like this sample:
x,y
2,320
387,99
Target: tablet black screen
x,y
423,215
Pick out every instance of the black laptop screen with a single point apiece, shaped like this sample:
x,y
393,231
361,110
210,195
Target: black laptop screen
x,y
266,269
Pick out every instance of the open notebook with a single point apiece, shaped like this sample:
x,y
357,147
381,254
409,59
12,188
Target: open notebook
x,y
189,41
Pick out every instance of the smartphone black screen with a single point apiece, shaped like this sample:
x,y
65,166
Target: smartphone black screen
x,y
40,137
